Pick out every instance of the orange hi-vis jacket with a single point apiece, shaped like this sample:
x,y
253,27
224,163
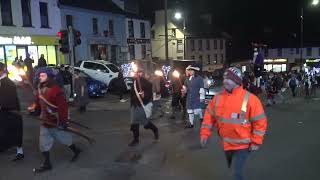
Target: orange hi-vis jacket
x,y
238,117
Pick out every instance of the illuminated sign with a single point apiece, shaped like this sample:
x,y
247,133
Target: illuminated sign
x,y
313,60
17,40
275,60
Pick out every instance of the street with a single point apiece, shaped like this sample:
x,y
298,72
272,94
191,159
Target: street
x,y
289,151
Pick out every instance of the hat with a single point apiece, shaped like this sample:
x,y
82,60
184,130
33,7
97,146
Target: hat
x,y
46,70
233,74
193,68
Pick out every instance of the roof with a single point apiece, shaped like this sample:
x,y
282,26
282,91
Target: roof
x,y
96,5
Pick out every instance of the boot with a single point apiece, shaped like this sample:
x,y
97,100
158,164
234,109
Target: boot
x,y
46,166
76,151
135,131
154,130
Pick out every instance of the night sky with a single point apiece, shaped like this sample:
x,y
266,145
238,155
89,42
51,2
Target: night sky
x,y
273,22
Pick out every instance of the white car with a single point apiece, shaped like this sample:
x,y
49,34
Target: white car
x,y
100,70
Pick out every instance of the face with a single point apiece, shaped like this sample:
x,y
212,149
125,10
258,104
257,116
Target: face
x,y
139,74
43,77
228,84
191,72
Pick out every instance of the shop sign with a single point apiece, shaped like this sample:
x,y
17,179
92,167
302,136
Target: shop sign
x,y
313,60
16,40
275,60
137,41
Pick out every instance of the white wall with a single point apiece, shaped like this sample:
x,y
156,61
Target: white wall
x,y
17,29
137,35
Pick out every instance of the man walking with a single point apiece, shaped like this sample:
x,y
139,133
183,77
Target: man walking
x,y
54,116
11,129
240,121
195,94
141,107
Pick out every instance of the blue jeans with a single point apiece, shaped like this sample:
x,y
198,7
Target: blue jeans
x,y
236,161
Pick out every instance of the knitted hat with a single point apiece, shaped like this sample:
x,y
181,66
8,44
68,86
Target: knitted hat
x,y
46,70
233,74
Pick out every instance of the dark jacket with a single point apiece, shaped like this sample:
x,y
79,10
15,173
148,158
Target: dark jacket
x,y
145,86
9,98
42,62
67,77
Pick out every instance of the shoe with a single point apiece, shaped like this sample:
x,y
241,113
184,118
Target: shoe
x,y
18,157
134,143
76,155
42,168
189,126
123,100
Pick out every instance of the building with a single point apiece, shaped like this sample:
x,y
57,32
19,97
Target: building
x,y
30,26
137,31
209,51
285,59
102,27
138,38
194,42
175,37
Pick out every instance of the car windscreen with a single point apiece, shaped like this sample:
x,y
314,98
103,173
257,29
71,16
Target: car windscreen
x,y
113,67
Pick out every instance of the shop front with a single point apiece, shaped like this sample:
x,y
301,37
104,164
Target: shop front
x,y
276,65
16,46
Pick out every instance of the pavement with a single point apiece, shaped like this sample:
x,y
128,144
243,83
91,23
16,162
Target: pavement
x,y
289,151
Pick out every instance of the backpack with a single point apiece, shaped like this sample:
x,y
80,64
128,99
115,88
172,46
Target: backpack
x,y
292,83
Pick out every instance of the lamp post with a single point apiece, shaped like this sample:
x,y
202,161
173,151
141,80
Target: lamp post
x,y
314,3
178,16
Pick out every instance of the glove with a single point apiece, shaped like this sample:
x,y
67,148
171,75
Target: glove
x,y
62,125
203,142
254,147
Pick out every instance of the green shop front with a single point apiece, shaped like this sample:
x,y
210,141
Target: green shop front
x,y
16,46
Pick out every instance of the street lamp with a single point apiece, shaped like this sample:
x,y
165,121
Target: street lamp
x,y
178,16
314,3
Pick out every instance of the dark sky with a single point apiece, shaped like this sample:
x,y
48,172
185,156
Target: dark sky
x,y
274,22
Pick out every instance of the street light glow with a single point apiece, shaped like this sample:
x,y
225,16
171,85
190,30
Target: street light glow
x,y
315,2
178,15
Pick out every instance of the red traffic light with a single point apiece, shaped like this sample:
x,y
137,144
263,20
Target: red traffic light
x,y
60,34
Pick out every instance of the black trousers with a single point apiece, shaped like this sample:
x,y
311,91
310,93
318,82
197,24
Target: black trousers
x,y
11,130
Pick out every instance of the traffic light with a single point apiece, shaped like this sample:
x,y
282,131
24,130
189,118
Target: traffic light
x,y
64,41
77,37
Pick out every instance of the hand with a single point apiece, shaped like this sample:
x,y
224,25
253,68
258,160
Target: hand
x,y
253,147
203,142
141,94
62,125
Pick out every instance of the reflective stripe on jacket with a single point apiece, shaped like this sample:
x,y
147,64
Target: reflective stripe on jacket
x,y
238,117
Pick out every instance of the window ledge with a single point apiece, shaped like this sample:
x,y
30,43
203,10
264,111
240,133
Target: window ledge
x,y
9,25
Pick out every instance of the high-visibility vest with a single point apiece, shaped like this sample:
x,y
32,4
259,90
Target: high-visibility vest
x,y
238,117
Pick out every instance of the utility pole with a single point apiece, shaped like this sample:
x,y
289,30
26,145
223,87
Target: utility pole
x,y
71,55
166,32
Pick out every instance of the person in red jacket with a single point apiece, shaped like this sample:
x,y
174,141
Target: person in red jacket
x,y
241,124
54,116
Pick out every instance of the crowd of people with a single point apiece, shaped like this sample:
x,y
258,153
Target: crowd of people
x,y
274,85
241,124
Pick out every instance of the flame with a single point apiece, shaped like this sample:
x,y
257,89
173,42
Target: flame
x,y
158,73
176,74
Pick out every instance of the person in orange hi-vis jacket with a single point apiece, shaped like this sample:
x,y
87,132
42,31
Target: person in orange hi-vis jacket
x,y
239,119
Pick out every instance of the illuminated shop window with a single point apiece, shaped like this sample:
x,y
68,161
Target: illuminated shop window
x,y
52,58
33,51
11,53
2,54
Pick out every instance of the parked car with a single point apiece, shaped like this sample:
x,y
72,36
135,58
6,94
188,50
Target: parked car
x,y
211,91
95,87
101,70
